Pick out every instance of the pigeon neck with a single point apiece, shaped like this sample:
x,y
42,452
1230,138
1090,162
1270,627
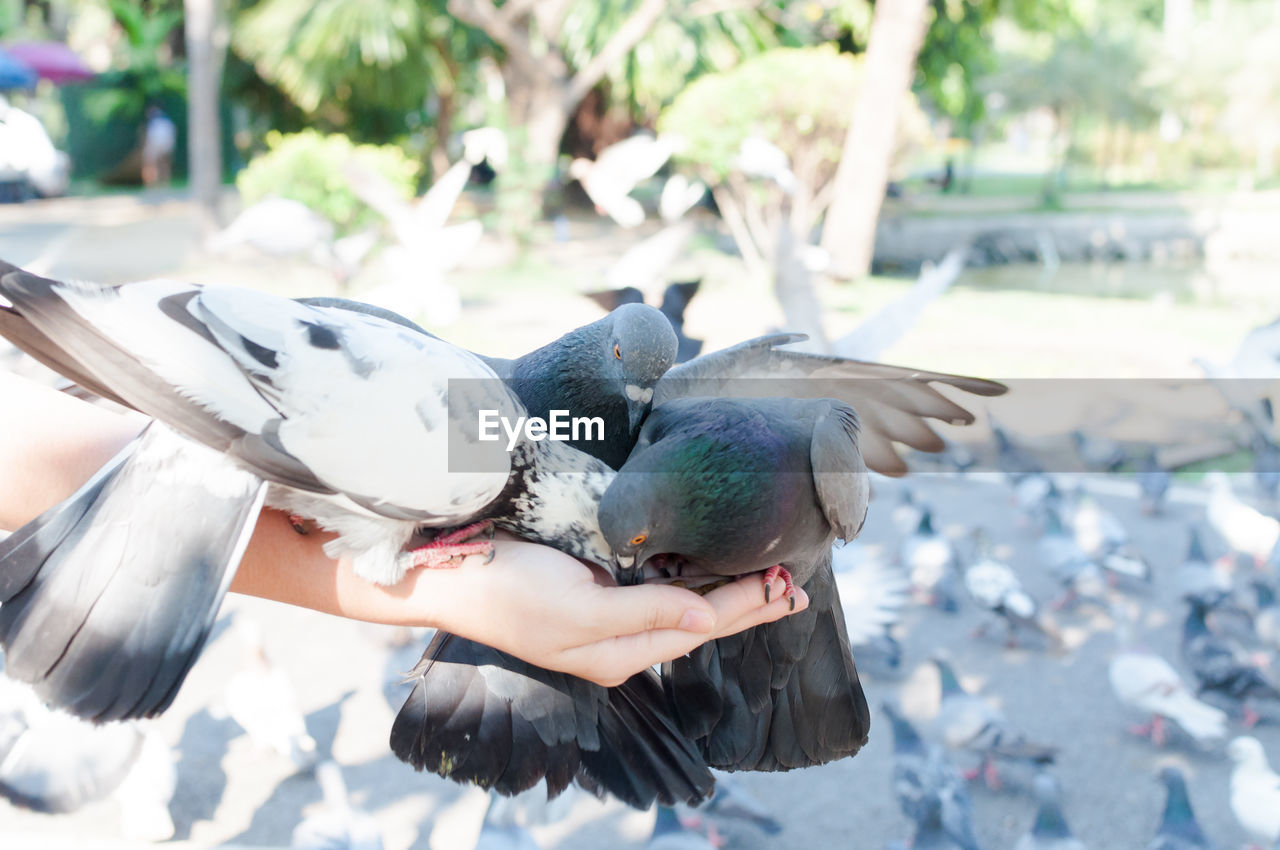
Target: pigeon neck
x,y
1195,549
1049,821
926,524
950,684
1178,817
561,508
666,823
905,737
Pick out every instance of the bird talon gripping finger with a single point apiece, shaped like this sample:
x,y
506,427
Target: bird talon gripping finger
x,y
789,590
446,548
299,524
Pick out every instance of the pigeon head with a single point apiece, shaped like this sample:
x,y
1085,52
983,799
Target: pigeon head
x,y
634,518
947,678
1246,750
1050,822
640,347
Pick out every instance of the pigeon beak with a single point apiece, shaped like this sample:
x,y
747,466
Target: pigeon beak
x,y
638,399
625,571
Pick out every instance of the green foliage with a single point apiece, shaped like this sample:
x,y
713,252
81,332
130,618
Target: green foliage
x,y
800,99
308,167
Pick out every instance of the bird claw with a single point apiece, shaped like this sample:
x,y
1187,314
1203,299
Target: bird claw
x,y
447,548
299,524
789,590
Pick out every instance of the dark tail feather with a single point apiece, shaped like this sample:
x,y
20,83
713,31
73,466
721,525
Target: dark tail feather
x,y
780,696
479,715
108,597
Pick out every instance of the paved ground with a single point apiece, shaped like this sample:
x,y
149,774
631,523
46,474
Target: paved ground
x,y
231,792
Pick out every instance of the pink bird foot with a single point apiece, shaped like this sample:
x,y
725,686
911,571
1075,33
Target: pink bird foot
x,y
789,590
447,548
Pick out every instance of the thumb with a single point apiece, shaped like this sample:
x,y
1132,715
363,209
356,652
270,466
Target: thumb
x,y
649,607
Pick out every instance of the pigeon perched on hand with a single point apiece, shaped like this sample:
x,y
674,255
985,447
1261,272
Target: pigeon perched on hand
x,y
1255,791
726,487
966,722
1050,830
1179,829
346,416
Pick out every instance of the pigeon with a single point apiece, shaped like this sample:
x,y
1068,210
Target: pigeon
x,y
1245,529
1101,536
1016,463
968,723
1079,575
1153,484
1221,667
670,832
1179,829
1197,575
1255,791
995,587
873,594
734,804
675,299
1266,620
1142,680
906,513
239,412
925,782
336,824
933,564
261,698
1266,467
1050,830
618,169
725,487
1098,453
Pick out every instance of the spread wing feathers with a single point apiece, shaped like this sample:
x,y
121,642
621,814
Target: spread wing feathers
x,y
480,715
873,593
52,762
892,401
776,697
105,618
318,399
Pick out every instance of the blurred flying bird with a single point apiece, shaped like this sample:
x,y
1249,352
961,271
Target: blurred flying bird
x,y
610,178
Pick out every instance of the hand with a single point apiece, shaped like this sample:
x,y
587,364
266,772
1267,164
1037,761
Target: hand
x,y
556,612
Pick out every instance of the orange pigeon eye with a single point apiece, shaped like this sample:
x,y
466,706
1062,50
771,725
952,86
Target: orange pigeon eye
x,y
638,539
617,351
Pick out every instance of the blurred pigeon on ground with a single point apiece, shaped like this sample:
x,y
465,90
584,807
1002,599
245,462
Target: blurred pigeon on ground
x,y
1100,535
927,785
1197,575
1266,467
1245,529
873,593
733,804
906,513
675,300
670,832
1221,667
261,698
1153,484
1098,453
1079,575
996,588
968,723
1179,829
933,563
1255,791
1142,680
1050,830
726,487
1013,460
1266,619
336,824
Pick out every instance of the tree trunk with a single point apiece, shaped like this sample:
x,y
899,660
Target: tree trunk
x,y
204,136
849,233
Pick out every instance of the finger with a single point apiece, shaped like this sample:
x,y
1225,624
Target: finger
x,y
778,608
612,661
648,607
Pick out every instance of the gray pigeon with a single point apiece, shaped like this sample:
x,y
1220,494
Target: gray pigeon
x,y
242,378
927,784
725,487
933,563
968,723
994,586
1098,453
1179,829
1221,666
1050,830
1153,484
1079,575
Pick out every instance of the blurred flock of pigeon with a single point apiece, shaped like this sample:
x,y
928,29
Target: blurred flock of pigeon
x,y
1013,577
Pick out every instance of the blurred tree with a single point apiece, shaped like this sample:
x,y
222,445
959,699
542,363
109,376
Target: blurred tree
x,y
849,232
1089,76
377,69
206,40
767,137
